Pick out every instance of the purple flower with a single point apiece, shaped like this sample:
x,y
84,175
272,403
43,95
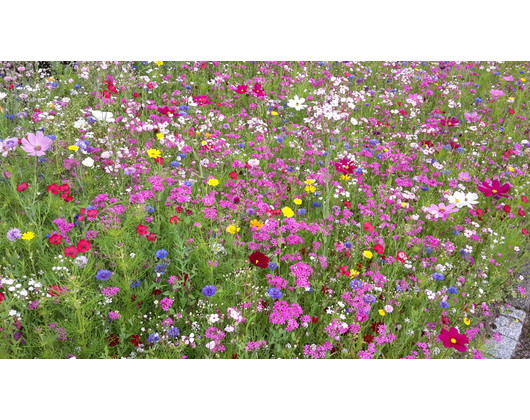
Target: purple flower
x,y
14,234
209,291
103,275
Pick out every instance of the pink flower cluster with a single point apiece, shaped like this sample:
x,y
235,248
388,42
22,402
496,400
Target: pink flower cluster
x,y
283,313
317,352
110,291
255,345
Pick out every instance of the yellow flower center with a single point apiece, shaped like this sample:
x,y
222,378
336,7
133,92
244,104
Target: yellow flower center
x,y
257,261
453,340
494,191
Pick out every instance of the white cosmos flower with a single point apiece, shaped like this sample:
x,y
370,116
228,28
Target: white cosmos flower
x,y
103,116
297,103
88,162
354,121
459,199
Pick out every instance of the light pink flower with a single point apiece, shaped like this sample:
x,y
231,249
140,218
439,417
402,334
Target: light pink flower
x,y
36,145
496,93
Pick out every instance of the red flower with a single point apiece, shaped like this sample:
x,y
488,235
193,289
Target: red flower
x,y
379,249
92,213
233,175
347,204
22,187
368,338
189,212
157,292
55,290
343,270
445,320
259,259
67,198
179,209
524,198
521,213
55,239
84,245
507,208
368,226
494,189
64,188
453,339
524,232
234,356
142,230
511,111
174,220
159,160
480,212
113,340
314,320
54,189
2,297
401,256
151,237
136,340
71,252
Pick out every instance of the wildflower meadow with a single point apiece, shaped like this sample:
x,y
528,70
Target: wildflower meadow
x,y
260,210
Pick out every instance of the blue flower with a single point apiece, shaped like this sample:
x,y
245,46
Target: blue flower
x,y
348,244
428,250
452,290
359,170
273,266
91,207
184,107
153,337
356,284
161,253
161,268
149,209
182,155
438,276
369,299
301,212
444,304
456,233
135,284
173,332
463,252
51,137
103,275
250,212
188,183
241,145
275,293
77,86
188,87
316,204
175,164
209,291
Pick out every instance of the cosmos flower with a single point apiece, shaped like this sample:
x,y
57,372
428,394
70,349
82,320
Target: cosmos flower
x,y
297,103
103,116
36,144
453,339
494,188
460,199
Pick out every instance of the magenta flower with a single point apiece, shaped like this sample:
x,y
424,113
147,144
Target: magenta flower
x,y
471,117
36,145
494,189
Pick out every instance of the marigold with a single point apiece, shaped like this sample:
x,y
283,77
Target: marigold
x,y
381,312
256,223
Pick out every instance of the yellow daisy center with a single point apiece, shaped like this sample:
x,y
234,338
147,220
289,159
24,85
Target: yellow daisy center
x,y
453,340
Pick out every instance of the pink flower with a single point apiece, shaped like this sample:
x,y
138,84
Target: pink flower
x,y
494,189
441,210
496,93
464,176
471,117
453,339
36,145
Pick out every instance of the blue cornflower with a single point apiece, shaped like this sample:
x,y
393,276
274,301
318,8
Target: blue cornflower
x,y
356,284
301,212
188,87
42,160
103,275
188,183
321,162
444,304
77,86
250,212
161,268
153,337
182,155
428,250
359,170
501,128
447,147
279,140
51,137
452,290
209,291
184,107
273,266
149,209
463,252
241,145
424,188
135,284
161,253
316,204
91,120
175,164
369,299
438,277
275,293
348,244
173,332
374,142
479,100
379,156
456,233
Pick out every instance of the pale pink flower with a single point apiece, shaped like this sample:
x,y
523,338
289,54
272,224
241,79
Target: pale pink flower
x,y
36,145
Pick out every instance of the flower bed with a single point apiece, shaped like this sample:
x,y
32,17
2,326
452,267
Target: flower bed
x,y
259,209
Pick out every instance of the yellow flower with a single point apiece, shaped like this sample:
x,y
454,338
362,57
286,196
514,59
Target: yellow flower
x,y
511,169
153,153
344,177
207,135
159,136
368,254
159,62
310,189
297,201
354,273
274,113
523,80
467,321
28,236
213,182
287,212
256,223
232,229
204,143
74,147
309,181
381,312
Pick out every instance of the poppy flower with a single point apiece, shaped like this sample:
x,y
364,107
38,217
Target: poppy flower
x,y
67,197
347,204
314,320
344,270
174,220
507,208
136,340
2,297
521,212
379,249
71,252
22,187
64,188
55,239
92,213
151,237
142,230
112,340
445,320
159,160
368,226
494,189
454,339
259,259
84,246
233,175
54,189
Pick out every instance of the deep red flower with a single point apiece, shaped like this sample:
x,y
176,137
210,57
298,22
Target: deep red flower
x,y
453,339
259,259
511,111
375,326
142,230
445,320
524,198
68,198
55,290
64,188
189,212
92,213
344,270
234,356
494,189
368,226
379,249
507,208
151,237
84,245
112,340
55,239
71,252
233,175
174,220
401,256
368,338
521,213
2,297
347,204
136,340
54,189
179,209
22,187
157,292
324,289
159,160
314,320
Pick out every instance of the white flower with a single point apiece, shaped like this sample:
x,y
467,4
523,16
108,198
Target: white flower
x,y
2,95
103,116
88,162
297,103
80,124
213,318
354,121
460,199
253,163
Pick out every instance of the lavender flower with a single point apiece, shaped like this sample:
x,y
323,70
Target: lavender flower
x,y
14,234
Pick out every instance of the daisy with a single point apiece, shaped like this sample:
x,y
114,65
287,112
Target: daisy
x,y
459,199
297,103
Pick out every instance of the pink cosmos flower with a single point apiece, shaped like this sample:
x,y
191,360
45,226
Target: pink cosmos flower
x,y
36,145
454,339
471,117
496,93
441,210
464,176
494,189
